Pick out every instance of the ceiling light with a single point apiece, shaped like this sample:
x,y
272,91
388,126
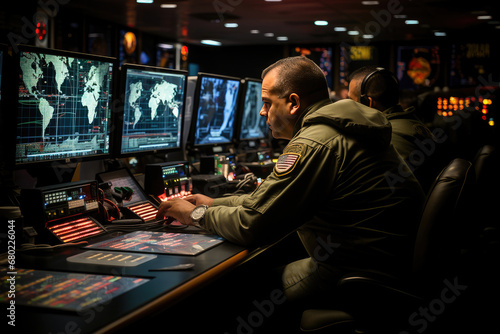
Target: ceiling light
x,y
168,5
282,38
484,17
367,36
210,42
268,34
439,34
254,31
353,32
340,29
400,16
369,3
411,22
144,1
273,0
165,46
321,23
231,25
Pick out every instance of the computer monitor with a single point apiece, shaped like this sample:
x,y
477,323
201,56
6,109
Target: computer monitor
x,y
153,109
63,106
252,126
214,109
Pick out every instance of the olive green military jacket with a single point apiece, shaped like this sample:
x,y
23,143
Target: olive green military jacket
x,y
332,185
407,130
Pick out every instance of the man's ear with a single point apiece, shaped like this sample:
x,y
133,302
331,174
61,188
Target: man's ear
x,y
295,102
372,102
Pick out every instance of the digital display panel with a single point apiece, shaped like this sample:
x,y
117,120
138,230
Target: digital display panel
x,y
64,105
64,291
153,109
253,125
160,242
217,102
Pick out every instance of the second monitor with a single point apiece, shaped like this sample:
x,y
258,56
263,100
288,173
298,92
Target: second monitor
x,y
153,109
214,110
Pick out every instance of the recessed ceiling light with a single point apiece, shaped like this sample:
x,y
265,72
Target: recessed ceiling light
x,y
321,23
269,34
370,3
484,17
368,36
282,38
254,31
210,42
231,25
165,46
168,5
400,16
353,32
340,29
411,22
144,1
439,34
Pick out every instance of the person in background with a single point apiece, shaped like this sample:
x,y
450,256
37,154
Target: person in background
x,y
378,88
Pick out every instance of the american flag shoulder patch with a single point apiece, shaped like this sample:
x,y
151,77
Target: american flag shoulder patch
x,y
286,163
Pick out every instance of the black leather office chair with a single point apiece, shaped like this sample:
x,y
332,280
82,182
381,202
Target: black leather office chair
x,y
383,305
487,196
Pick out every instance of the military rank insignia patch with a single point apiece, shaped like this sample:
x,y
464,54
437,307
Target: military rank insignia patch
x,y
286,163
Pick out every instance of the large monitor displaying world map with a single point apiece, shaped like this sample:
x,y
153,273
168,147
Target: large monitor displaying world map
x,y
64,105
153,108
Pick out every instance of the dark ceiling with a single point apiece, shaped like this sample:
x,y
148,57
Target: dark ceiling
x,y
194,20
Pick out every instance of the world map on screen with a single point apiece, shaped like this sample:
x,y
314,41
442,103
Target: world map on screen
x,y
64,106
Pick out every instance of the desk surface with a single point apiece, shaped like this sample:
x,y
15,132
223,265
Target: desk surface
x,y
163,289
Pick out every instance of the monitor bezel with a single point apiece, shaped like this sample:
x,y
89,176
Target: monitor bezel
x,y
118,116
241,110
111,127
194,115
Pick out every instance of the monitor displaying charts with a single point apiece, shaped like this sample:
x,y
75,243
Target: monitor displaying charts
x,y
214,109
252,124
153,109
64,105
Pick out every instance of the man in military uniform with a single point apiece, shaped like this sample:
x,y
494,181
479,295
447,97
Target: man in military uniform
x,y
329,185
378,88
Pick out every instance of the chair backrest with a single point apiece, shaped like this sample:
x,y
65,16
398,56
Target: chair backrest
x,y
437,246
486,167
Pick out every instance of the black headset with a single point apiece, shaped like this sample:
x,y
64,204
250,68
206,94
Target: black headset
x,y
379,70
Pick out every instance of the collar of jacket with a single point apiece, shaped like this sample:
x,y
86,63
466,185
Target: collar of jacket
x,y
309,110
397,111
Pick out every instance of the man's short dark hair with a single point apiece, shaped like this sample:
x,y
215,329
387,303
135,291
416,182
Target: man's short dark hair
x,y
299,75
381,86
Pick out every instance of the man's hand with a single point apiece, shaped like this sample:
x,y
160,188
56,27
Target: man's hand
x,y
177,208
199,199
